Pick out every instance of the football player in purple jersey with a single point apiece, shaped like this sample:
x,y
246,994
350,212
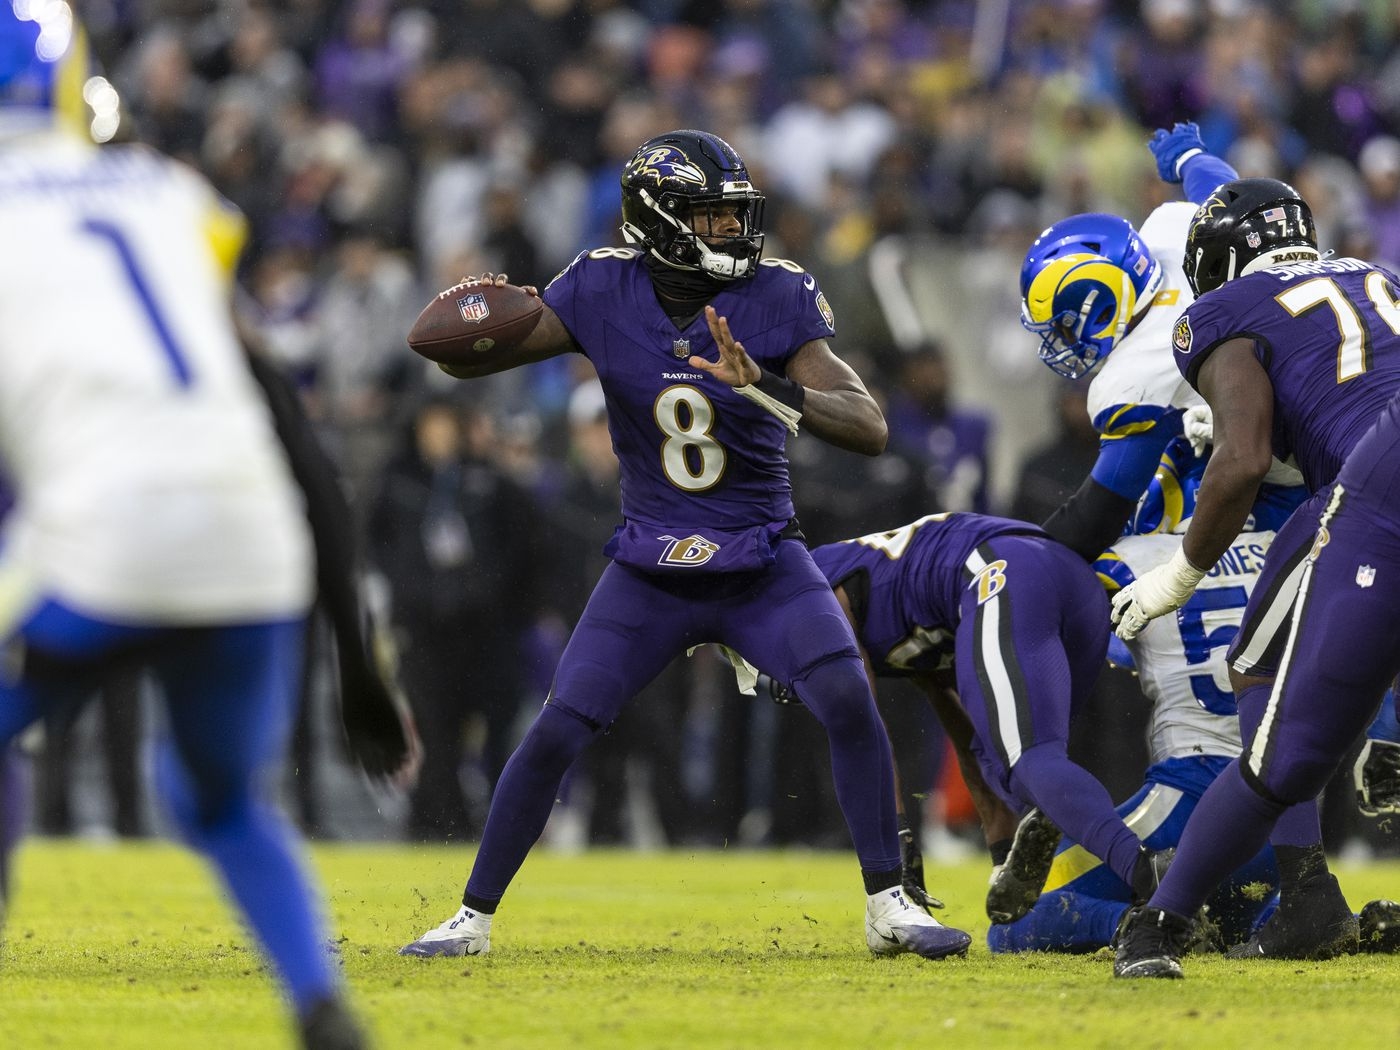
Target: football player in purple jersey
x,y
1298,356
709,356
1021,619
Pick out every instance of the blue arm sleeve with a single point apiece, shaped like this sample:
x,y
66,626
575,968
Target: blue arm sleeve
x,y
1126,464
1202,173
1386,726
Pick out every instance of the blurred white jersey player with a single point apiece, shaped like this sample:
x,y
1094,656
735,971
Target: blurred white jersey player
x,y
155,515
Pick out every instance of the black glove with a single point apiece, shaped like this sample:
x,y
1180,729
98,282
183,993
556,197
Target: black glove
x,y
379,730
380,734
1376,775
774,690
911,863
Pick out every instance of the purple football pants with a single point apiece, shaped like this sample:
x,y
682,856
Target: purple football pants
x,y
784,619
1030,645
1342,653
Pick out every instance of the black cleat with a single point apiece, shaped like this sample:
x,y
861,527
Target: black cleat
x,y
329,1026
1313,923
1380,927
1016,884
1152,944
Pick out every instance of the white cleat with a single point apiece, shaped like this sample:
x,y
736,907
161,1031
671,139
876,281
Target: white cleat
x,y
894,926
466,933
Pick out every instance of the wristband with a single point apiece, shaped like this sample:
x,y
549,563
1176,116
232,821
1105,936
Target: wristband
x,y
778,396
1181,160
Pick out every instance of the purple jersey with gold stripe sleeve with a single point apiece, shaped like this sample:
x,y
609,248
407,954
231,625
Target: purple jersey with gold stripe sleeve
x,y
905,585
1328,334
693,453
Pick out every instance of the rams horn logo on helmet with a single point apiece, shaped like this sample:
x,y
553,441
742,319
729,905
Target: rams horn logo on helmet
x,y
666,164
1080,305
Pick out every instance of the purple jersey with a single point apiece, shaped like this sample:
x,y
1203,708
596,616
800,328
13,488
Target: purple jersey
x,y
693,453
905,585
1328,334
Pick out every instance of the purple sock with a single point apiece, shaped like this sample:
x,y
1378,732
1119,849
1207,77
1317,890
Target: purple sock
x,y
1079,805
1299,825
522,801
1230,825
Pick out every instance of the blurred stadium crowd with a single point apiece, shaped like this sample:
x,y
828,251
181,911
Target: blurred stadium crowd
x,y
382,149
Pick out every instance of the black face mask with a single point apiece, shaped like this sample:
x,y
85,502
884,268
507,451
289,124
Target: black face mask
x,y
682,293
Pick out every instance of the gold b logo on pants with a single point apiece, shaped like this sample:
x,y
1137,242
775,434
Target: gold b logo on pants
x,y
990,581
693,550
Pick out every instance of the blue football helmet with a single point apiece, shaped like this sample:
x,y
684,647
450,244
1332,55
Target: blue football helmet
x,y
1170,500
45,67
1082,282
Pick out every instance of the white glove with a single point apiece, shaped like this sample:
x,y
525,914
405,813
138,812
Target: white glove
x,y
1376,775
1161,590
1199,427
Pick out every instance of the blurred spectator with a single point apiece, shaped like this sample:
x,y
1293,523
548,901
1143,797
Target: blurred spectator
x,y
1051,473
507,245
368,302
952,444
1332,107
359,70
1380,171
1164,76
822,135
167,99
454,540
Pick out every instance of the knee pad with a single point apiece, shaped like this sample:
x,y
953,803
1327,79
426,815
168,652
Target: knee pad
x,y
838,693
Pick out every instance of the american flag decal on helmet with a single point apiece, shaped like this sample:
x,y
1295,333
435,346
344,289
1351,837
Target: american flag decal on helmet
x,y
473,307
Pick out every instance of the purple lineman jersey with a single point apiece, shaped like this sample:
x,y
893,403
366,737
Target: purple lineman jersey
x,y
698,462
1327,333
905,586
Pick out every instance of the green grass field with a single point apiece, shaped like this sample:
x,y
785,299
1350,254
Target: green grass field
x,y
133,947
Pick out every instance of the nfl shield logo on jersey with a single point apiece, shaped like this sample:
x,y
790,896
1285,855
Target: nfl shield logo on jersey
x,y
681,348
473,307
1365,575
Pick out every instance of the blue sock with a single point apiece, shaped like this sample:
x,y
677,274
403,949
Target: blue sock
x,y
1230,825
251,846
522,802
1061,921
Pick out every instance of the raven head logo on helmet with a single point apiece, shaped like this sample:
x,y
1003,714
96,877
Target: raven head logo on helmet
x,y
1244,226
1082,282
687,199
